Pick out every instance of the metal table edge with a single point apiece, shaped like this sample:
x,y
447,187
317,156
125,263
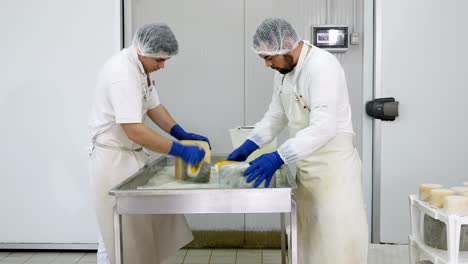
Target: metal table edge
x,y
116,192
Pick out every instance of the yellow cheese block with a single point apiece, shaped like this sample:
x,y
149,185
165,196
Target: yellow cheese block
x,y
180,172
425,191
438,197
224,162
456,205
193,171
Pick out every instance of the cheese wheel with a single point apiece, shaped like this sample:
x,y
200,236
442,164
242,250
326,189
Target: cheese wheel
x,y
425,191
465,184
456,205
459,190
438,195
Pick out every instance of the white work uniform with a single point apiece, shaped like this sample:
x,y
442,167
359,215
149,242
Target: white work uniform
x,y
124,96
312,100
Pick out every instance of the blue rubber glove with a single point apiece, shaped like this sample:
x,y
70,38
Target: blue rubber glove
x,y
189,153
263,168
241,153
180,134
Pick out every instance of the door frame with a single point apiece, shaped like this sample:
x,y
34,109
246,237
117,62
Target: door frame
x,y
118,25
371,127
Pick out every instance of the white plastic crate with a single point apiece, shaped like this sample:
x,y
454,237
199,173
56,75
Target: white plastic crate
x,y
419,250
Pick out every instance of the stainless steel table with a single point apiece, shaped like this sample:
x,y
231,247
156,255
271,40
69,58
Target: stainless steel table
x,y
154,190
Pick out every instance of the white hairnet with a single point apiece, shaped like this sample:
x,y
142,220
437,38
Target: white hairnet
x,y
274,36
155,40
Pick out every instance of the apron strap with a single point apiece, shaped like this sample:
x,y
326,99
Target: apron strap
x,y
95,143
309,47
299,97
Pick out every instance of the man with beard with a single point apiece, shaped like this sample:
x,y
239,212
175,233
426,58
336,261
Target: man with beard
x,y
310,97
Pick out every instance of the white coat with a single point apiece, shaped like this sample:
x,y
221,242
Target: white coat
x,y
123,96
312,101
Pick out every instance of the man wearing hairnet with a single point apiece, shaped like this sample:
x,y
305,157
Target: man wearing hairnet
x,y
124,95
311,98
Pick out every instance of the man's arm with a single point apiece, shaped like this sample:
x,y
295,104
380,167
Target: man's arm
x,y
161,117
142,135
324,86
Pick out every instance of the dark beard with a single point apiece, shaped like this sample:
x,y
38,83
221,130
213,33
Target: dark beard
x,y
289,64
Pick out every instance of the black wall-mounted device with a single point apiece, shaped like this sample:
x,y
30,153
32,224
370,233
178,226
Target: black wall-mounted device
x,y
385,109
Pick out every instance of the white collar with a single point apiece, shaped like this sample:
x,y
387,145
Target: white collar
x,y
133,56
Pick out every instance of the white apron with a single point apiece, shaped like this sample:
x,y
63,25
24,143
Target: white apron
x,y
332,224
147,239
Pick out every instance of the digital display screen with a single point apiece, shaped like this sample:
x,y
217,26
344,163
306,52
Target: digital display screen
x,y
331,37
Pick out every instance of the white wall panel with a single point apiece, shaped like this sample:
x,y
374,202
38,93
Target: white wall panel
x,y
202,86
51,53
427,142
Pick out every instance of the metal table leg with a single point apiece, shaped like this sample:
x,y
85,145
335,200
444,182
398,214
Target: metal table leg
x,y
118,237
283,239
293,244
